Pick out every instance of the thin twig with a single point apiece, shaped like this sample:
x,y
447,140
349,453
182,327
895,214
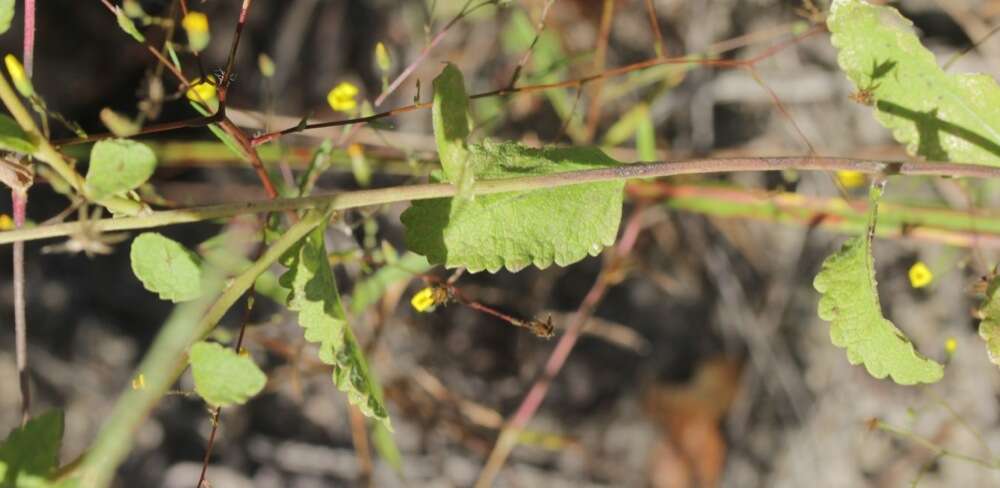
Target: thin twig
x,y
19,202
654,25
600,60
529,405
366,198
539,28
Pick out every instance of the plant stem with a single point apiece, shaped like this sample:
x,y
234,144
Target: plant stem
x,y
167,359
366,198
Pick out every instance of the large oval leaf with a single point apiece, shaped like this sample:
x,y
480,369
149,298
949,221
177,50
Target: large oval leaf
x,y
118,166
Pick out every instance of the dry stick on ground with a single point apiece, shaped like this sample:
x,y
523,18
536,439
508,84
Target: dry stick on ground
x,y
600,61
610,274
654,26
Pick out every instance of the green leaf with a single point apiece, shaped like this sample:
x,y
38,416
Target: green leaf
x,y
850,302
13,138
561,225
31,452
451,128
6,14
166,267
645,136
313,294
118,166
222,377
128,26
989,328
940,116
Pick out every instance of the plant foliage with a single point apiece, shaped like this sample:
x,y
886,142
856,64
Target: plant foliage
x,y
850,302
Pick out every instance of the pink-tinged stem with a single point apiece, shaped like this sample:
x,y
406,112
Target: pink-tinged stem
x,y
508,437
19,202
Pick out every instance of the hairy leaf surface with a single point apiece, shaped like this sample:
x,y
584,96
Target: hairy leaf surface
x,y
513,230
850,302
222,377
166,267
937,115
118,166
313,294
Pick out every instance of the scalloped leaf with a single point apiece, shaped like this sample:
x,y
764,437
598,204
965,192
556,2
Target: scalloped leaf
x,y
989,327
940,116
166,267
850,302
222,377
118,166
450,117
512,230
313,294
30,453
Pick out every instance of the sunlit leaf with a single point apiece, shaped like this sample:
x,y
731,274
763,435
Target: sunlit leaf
x,y
850,302
313,294
937,115
222,377
166,267
118,166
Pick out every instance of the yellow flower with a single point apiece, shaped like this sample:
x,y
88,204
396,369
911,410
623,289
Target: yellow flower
x,y
851,179
17,75
202,90
196,26
6,223
920,275
950,346
341,97
195,22
423,300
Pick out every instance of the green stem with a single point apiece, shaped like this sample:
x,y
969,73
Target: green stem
x,y
364,198
167,359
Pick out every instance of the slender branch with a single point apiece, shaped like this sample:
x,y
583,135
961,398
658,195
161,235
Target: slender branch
x,y
166,359
19,202
654,25
557,358
575,82
365,198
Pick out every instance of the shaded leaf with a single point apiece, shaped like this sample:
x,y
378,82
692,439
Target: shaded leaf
x,y
940,116
31,452
118,166
13,138
166,267
850,302
450,116
313,294
222,377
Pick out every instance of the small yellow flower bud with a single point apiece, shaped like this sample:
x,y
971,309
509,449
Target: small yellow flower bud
x,y
6,223
266,65
341,97
851,179
950,345
920,275
17,75
139,382
382,59
196,26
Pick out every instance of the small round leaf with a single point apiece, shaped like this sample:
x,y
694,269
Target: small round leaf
x,y
118,166
222,377
166,267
